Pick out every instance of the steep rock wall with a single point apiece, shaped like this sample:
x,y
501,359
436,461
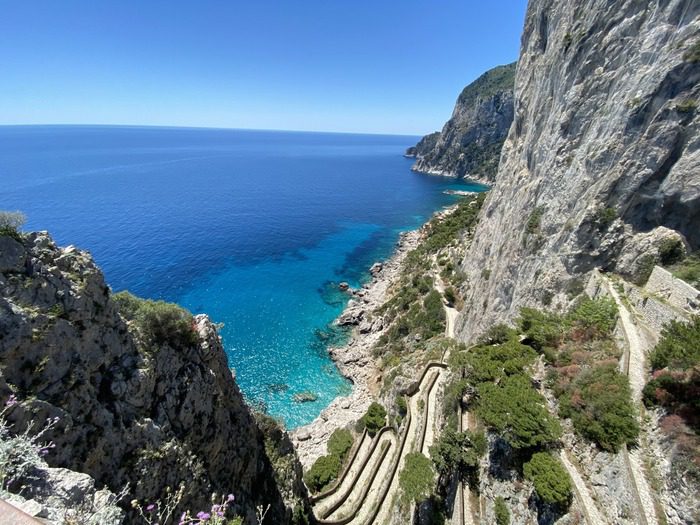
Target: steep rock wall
x,y
602,162
469,144
150,417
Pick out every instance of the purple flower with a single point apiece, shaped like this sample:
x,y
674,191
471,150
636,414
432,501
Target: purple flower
x,y
150,508
203,516
11,401
229,498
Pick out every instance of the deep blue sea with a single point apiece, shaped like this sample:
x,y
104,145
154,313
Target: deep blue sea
x,y
255,228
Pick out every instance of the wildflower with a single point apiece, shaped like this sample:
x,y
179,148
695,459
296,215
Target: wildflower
x,y
203,516
150,508
229,498
134,503
11,401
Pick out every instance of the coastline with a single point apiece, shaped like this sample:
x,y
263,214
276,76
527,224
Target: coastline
x,y
354,360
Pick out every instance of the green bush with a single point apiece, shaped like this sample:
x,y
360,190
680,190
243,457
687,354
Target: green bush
x,y
518,412
644,267
599,403
450,296
552,482
488,363
679,347
457,452
671,251
688,269
416,477
374,419
11,222
158,322
502,512
324,470
541,329
340,443
497,334
597,315
604,217
534,220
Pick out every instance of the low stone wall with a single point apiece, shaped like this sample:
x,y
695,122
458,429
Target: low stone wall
x,y
663,299
674,291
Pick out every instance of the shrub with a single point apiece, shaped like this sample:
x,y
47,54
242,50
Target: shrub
x,y
457,452
541,329
502,512
324,470
688,270
515,410
671,251
679,346
644,267
416,477
158,322
599,404
11,222
450,296
687,106
374,419
497,334
488,363
596,315
340,443
604,217
551,481
534,220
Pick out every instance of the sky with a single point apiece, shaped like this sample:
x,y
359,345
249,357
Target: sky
x,y
375,66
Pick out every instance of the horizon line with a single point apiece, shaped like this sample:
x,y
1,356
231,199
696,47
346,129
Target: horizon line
x,y
220,128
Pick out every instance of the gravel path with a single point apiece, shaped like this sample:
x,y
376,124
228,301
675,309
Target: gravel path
x,y
590,510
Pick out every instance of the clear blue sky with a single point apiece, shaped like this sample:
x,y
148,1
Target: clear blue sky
x,y
327,65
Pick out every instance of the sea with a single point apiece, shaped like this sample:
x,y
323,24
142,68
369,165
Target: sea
x,y
254,228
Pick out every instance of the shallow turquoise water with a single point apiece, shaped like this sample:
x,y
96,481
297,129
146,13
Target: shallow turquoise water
x,y
254,228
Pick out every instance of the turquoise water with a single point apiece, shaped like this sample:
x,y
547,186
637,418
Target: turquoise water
x,y
254,228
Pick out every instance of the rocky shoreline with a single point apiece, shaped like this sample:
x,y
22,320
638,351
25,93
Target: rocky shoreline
x,y
355,360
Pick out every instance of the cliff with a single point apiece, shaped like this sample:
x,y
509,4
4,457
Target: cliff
x,y
469,144
141,390
600,166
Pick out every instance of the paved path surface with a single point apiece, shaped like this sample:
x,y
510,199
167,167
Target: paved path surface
x,y
637,345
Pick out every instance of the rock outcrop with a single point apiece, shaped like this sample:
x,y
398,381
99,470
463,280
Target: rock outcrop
x,y
148,415
469,144
602,161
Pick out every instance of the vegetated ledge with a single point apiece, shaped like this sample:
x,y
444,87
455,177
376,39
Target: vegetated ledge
x,y
141,390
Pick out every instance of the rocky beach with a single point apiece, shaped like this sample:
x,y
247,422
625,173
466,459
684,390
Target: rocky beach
x,y
355,360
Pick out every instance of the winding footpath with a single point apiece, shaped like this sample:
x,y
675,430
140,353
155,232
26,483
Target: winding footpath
x,y
637,345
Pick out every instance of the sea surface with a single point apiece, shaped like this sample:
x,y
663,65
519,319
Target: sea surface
x,y
254,228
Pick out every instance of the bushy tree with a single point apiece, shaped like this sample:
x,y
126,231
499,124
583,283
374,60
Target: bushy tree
x,y
517,411
488,363
374,419
11,222
596,315
324,470
340,443
599,403
158,322
416,477
552,482
679,347
502,512
457,452
541,329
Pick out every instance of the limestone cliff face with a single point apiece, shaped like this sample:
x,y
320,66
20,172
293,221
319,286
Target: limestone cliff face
x,y
152,418
469,144
602,161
